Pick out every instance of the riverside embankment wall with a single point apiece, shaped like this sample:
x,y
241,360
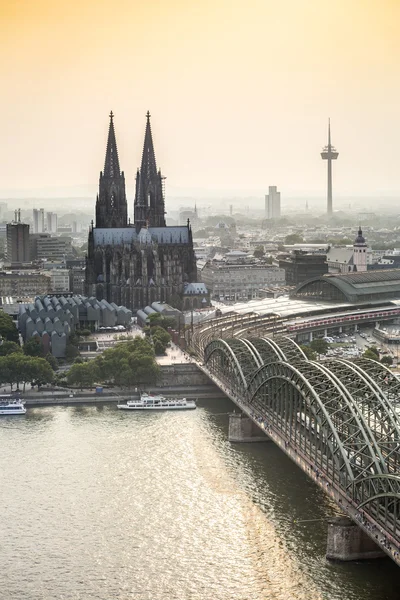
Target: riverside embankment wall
x,y
176,380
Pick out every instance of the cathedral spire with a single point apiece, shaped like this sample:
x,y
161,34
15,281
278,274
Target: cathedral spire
x,y
149,166
111,206
149,198
111,163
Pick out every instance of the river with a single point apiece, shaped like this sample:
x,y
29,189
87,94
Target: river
x,y
105,504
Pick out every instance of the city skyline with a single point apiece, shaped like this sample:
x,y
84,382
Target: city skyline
x,y
239,93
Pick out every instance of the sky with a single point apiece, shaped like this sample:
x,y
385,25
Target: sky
x,y
240,92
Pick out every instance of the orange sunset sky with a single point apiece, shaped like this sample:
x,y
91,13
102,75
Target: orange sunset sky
x,y
240,92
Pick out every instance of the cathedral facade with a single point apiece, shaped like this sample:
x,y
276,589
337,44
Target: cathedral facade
x,y
140,263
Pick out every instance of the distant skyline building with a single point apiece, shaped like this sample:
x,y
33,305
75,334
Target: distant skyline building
x,y
38,220
273,203
18,251
51,221
329,153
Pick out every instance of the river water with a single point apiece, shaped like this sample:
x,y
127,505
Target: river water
x,y
104,504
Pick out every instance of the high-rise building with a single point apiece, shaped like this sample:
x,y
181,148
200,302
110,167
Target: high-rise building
x,y
273,203
51,219
135,265
18,241
329,153
38,220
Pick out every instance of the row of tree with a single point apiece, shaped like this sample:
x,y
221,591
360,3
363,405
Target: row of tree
x,y
129,364
17,369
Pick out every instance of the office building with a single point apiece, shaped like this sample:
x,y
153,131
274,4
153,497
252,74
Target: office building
x,y
38,220
51,219
18,241
273,203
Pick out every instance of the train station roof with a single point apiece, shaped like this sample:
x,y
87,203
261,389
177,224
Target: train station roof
x,y
369,286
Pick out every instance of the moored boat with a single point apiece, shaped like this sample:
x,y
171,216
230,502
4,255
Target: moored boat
x,y
11,406
157,402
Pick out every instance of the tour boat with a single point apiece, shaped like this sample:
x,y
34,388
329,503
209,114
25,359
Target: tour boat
x,y
11,406
157,402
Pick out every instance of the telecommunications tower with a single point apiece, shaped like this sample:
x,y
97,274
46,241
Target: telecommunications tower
x,y
329,153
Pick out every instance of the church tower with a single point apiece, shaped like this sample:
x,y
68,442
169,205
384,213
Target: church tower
x,y
111,205
149,207
360,252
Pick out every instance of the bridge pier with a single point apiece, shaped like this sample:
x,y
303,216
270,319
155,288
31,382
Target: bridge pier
x,y
243,429
347,541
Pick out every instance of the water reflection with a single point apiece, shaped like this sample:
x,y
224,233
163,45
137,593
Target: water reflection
x,y
106,504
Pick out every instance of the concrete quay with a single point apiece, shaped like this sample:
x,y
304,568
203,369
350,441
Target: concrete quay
x,y
72,397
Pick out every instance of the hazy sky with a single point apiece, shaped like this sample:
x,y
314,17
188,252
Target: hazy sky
x,y
239,91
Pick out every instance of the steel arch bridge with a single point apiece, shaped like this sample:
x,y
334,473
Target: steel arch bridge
x,y
340,415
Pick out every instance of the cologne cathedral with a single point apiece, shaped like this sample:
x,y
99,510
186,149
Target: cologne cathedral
x,y
135,265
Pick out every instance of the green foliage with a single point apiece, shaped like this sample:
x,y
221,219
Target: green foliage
x,y
52,361
8,330
371,353
33,347
129,364
83,374
9,348
294,238
319,346
387,360
85,332
311,355
161,339
18,368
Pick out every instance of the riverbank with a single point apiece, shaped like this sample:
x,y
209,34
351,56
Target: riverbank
x,y
71,397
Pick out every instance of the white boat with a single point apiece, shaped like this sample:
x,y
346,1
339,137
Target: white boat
x,y
157,402
11,406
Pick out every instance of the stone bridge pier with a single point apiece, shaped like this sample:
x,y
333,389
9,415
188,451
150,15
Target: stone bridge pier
x,y
243,429
347,541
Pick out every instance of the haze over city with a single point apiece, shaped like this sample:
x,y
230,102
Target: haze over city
x,y
240,94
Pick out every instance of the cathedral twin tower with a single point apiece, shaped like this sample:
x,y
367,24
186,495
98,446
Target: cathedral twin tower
x,y
148,261
111,204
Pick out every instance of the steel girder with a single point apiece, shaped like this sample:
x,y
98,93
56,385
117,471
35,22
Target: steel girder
x,y
383,376
380,417
311,411
379,496
366,453
232,360
292,351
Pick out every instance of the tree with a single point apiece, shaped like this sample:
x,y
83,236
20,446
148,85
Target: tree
x,y
129,364
17,368
85,332
371,353
52,361
8,330
294,238
9,348
161,339
319,346
258,252
310,354
83,374
387,360
33,347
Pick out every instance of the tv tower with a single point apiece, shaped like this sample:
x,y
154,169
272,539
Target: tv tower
x,y
329,153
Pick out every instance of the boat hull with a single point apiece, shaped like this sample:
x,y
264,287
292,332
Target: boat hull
x,y
159,408
13,412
